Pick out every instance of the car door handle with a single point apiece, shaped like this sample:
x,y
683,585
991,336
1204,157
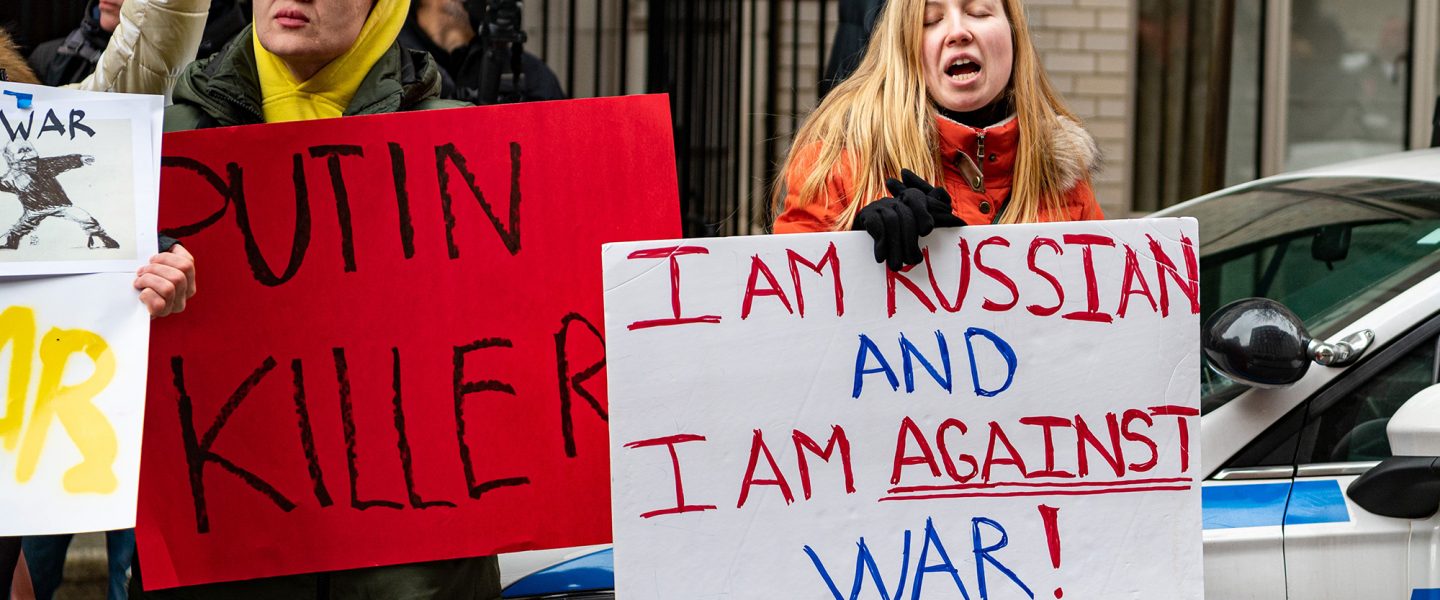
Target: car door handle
x,y
1403,487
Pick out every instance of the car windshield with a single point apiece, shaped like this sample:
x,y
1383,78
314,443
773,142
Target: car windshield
x,y
1330,249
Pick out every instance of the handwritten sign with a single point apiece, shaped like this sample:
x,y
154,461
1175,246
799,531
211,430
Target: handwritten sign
x,y
1016,417
78,180
78,194
396,354
72,363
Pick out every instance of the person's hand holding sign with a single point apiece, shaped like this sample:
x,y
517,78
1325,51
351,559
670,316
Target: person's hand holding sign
x,y
898,223
168,282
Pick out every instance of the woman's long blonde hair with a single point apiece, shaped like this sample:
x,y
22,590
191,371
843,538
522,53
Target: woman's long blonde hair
x,y
881,120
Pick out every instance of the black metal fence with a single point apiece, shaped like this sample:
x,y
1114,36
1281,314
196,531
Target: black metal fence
x,y
740,74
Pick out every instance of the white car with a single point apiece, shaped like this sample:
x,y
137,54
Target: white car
x,y
1349,249
1354,251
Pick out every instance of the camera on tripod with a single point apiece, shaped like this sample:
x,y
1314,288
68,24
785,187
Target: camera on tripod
x,y
499,31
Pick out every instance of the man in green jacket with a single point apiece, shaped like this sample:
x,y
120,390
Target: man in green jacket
x,y
226,89
310,59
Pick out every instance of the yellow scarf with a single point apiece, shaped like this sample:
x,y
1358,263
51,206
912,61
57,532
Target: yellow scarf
x,y
328,92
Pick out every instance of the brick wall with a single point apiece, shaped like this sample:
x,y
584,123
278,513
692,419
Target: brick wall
x,y
1088,47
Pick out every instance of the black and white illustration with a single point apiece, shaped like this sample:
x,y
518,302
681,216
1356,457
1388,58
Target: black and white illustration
x,y
66,193
34,179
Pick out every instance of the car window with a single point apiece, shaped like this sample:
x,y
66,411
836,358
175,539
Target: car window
x,y
1346,421
1330,249
1352,427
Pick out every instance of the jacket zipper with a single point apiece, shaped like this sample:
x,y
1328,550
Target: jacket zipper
x,y
975,180
980,152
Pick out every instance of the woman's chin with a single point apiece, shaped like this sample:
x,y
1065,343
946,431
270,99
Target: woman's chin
x,y
964,104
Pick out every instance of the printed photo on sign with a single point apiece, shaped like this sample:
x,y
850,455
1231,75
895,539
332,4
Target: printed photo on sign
x,y
76,175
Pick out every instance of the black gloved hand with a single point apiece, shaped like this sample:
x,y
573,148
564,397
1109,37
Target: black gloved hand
x,y
897,225
938,202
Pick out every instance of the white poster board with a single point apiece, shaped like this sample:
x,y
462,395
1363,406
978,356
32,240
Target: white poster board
x,y
73,359
79,195
1015,418
79,180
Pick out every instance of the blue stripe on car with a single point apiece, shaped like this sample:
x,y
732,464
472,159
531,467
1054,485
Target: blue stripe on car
x,y
594,571
1426,594
1316,501
1252,505
1265,504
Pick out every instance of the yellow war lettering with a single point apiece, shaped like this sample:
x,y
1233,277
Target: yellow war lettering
x,y
17,329
73,404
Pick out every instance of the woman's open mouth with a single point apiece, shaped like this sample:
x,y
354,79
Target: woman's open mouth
x,y
962,70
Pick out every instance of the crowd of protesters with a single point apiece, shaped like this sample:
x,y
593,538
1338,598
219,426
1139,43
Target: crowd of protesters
x,y
947,119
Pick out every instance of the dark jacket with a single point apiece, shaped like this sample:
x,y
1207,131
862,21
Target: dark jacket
x,y
463,69
224,90
226,18
857,19
72,58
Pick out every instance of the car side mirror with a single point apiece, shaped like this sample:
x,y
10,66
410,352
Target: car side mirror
x,y
1403,487
1259,342
1414,429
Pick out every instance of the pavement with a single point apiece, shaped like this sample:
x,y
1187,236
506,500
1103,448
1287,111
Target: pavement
x,y
86,576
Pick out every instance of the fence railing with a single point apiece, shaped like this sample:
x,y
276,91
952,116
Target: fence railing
x,y
740,74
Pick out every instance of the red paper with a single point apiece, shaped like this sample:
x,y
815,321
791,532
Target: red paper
x,y
296,340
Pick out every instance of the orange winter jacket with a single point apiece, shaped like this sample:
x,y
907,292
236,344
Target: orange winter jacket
x,y
992,148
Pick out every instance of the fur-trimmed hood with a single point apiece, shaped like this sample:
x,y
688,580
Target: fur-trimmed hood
x,y
16,69
1075,151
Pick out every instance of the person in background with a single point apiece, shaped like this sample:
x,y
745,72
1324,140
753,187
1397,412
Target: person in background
x,y
226,19
12,63
317,59
950,98
448,31
134,47
166,284
857,19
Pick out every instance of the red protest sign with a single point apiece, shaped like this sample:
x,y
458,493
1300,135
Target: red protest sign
x,y
396,353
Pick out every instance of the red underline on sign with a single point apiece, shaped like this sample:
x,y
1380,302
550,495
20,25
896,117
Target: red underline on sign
x,y
1036,484
669,322
1060,492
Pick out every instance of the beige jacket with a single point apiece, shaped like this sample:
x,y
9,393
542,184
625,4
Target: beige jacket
x,y
152,44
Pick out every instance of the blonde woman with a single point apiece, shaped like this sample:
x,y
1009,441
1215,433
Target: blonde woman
x,y
950,92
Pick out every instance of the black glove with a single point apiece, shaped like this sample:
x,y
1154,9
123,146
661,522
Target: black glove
x,y
897,225
938,202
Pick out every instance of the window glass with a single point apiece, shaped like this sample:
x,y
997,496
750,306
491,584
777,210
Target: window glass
x,y
1330,249
1353,428
1350,428
1349,80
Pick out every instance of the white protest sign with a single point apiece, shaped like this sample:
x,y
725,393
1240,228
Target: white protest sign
x,y
79,180
73,354
1016,417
